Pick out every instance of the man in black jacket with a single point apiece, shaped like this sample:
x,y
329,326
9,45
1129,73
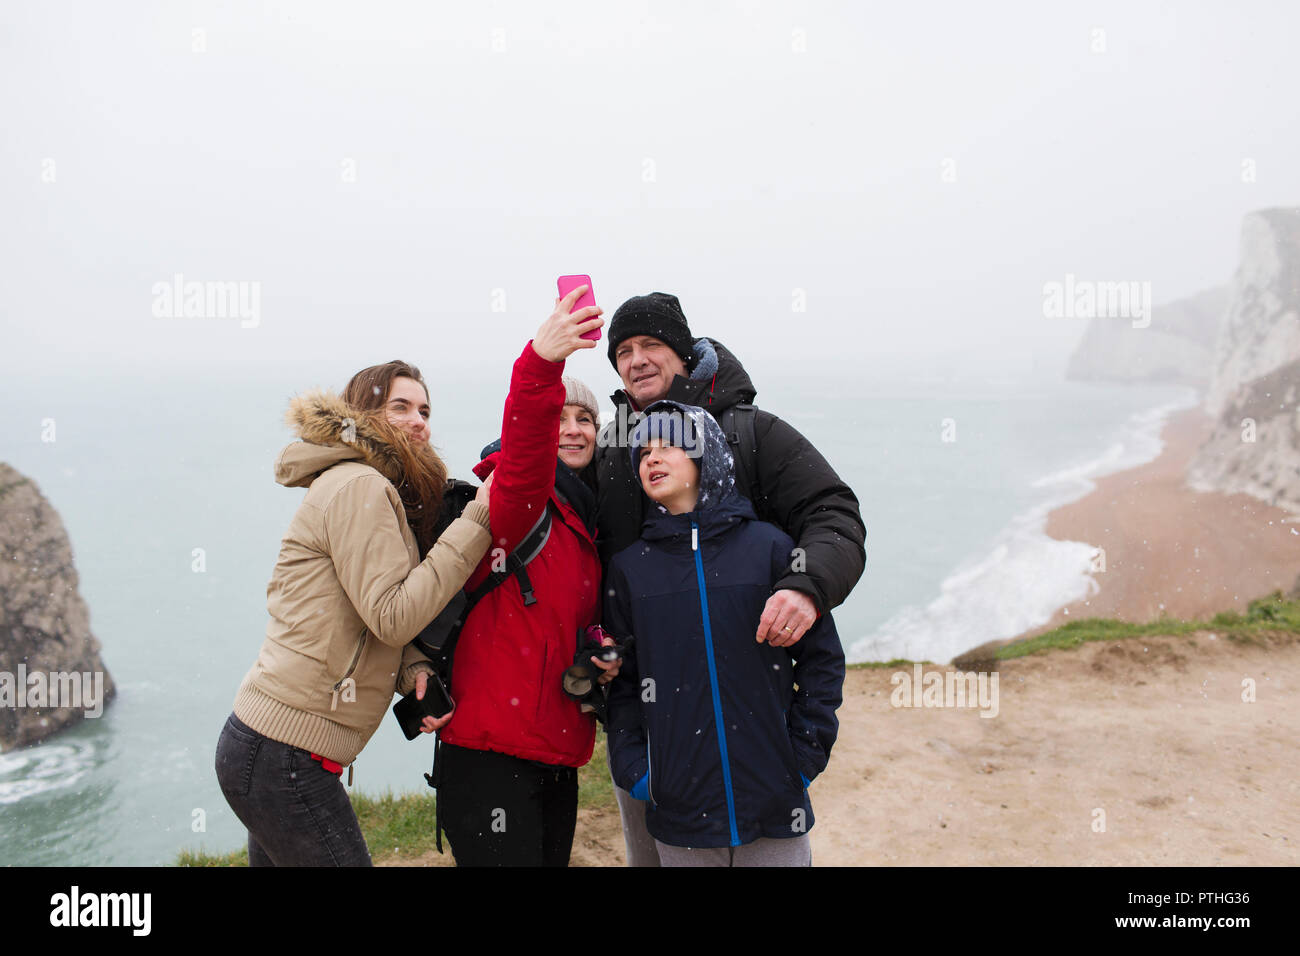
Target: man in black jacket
x,y
788,481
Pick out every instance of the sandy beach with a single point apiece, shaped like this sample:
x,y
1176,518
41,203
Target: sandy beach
x,y
1171,550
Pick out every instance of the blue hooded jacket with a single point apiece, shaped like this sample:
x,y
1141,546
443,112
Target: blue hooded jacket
x,y
703,720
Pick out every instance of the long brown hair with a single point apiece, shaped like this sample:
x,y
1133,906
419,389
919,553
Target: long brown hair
x,y
423,474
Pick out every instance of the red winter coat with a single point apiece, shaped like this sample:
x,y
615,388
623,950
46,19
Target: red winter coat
x,y
510,658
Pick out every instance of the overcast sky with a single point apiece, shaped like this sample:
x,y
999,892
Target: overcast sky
x,y
409,178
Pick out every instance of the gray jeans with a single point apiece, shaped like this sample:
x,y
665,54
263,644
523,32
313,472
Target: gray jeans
x,y
297,812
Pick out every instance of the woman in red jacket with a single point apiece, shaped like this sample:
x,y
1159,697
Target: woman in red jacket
x,y
507,774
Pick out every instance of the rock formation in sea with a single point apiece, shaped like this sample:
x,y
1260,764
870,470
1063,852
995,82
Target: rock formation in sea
x,y
1254,394
45,634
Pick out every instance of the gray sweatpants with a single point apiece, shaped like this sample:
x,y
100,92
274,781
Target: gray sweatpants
x,y
645,850
641,849
796,851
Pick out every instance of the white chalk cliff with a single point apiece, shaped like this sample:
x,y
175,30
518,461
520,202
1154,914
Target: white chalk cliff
x,y
1254,394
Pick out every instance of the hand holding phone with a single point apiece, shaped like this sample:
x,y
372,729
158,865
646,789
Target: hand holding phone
x,y
427,709
566,284
566,330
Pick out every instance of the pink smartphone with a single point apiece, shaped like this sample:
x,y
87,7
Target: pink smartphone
x,y
567,284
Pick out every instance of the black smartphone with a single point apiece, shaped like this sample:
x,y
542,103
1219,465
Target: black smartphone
x,y
410,713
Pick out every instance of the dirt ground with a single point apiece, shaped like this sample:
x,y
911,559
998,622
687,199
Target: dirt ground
x,y
1134,752
1149,736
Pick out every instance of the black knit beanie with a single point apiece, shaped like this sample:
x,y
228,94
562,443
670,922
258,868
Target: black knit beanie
x,y
658,314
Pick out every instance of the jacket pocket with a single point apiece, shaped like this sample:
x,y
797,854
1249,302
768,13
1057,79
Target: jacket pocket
x,y
790,755
539,685
236,756
792,765
338,687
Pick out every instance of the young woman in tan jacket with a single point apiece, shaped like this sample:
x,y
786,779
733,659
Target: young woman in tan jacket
x,y
348,593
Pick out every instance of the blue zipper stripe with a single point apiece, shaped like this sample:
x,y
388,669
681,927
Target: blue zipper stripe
x,y
717,698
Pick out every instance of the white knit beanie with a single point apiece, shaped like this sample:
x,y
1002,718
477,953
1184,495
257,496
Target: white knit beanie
x,y
576,393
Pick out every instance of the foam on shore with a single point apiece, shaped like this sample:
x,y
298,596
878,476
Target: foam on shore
x,y
1025,576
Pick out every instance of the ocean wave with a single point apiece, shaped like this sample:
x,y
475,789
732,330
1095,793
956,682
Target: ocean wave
x,y
1136,442
42,768
1024,577
1016,587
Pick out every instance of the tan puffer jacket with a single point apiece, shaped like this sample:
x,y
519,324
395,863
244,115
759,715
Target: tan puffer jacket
x,y
348,591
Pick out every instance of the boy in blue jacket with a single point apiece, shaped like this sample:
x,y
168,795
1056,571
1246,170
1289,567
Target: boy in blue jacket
x,y
721,735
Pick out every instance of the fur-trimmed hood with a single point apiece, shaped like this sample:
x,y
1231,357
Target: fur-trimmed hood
x,y
349,590
330,432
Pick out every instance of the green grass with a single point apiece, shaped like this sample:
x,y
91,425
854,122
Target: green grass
x,y
400,827
885,665
202,858
1269,615
397,827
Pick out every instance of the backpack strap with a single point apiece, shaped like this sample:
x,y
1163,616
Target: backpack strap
x,y
438,639
738,425
434,777
518,559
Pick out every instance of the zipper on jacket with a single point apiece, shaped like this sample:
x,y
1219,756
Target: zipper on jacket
x,y
649,777
361,644
713,682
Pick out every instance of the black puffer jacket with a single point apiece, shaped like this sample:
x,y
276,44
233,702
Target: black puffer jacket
x,y
799,491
